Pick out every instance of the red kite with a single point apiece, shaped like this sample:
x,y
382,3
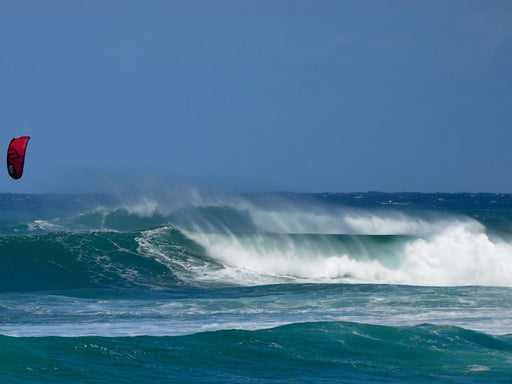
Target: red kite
x,y
16,156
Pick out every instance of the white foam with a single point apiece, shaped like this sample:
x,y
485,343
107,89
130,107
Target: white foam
x,y
459,254
443,250
44,225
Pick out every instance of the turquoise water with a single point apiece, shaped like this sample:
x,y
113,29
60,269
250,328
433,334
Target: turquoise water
x,y
308,352
264,288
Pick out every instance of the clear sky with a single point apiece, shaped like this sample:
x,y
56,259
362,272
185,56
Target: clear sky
x,y
304,96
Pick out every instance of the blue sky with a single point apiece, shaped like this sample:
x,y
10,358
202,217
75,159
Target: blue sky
x,y
304,96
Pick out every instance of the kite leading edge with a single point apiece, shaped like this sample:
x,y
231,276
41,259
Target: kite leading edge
x,y
16,156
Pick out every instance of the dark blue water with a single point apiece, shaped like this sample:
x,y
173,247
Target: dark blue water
x,y
256,288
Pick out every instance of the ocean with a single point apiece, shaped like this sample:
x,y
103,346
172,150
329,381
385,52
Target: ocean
x,y
256,288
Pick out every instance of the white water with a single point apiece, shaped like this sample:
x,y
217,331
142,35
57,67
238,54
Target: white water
x,y
157,314
444,252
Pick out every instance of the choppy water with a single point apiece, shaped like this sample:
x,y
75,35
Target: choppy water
x,y
269,288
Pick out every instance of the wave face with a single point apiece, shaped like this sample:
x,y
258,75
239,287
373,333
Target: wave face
x,y
270,287
247,242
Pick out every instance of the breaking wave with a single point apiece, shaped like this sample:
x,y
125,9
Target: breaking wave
x,y
238,242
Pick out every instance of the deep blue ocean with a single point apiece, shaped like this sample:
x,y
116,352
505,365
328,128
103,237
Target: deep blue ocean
x,y
256,288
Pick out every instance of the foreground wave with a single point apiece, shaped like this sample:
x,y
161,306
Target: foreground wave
x,y
332,352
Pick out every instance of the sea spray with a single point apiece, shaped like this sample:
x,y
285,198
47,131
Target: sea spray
x,y
275,287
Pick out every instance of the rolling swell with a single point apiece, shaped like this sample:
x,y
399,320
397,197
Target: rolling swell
x,y
305,352
83,260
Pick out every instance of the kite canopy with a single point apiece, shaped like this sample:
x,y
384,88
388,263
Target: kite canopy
x,y
16,156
